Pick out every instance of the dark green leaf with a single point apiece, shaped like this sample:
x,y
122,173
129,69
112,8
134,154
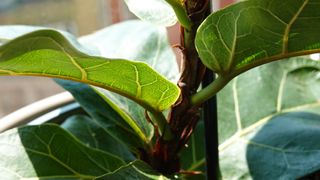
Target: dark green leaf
x,y
254,98
149,44
48,53
104,116
254,32
286,147
49,152
133,171
95,136
193,157
156,11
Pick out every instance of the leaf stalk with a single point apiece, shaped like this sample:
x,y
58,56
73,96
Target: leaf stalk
x,y
163,125
181,13
211,90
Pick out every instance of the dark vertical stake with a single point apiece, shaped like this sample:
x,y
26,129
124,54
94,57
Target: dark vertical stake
x,y
211,131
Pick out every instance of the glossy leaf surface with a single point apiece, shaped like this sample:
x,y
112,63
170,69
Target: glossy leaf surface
x,y
155,11
256,97
48,53
254,32
144,42
49,152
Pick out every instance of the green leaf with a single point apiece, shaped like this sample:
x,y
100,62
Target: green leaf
x,y
255,32
133,171
149,44
155,11
286,147
105,117
252,99
95,136
48,53
49,152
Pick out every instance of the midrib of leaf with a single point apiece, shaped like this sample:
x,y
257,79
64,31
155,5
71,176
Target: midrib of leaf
x,y
236,104
47,145
126,166
234,43
49,154
73,61
288,27
233,68
280,92
69,53
260,122
77,174
242,69
285,54
239,134
262,145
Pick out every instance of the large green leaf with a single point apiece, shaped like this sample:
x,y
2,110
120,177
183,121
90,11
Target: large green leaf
x,y
254,32
156,11
253,99
105,117
49,152
286,147
133,171
94,135
149,44
48,53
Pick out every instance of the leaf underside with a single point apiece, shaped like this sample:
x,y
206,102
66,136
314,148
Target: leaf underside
x,y
148,44
104,116
155,11
48,53
262,95
254,32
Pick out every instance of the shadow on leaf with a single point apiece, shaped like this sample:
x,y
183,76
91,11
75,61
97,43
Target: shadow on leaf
x,y
286,147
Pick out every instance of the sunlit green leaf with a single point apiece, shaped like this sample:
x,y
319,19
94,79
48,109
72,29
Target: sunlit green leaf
x,y
48,53
255,98
49,152
155,11
144,42
254,32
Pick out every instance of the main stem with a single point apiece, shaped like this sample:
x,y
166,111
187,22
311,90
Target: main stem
x,y
184,116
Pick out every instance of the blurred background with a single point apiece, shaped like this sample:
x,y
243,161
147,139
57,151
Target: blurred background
x,y
78,17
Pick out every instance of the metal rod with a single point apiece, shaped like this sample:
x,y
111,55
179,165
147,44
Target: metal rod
x,y
211,131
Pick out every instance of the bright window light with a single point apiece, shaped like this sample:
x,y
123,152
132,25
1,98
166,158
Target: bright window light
x,y
315,57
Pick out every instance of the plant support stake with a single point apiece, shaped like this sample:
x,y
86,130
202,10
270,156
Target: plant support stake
x,y
210,116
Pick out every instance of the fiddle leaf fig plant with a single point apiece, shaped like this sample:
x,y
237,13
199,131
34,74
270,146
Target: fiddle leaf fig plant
x,y
144,115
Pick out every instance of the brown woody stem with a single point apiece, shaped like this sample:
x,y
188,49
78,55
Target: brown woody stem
x,y
183,117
